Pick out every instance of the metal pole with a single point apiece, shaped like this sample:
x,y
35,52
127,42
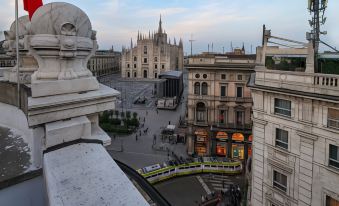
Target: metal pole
x,y
17,49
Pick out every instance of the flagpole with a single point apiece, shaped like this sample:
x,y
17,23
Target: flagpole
x,y
17,49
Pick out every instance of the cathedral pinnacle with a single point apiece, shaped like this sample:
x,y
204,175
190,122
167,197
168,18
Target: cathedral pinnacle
x,y
160,26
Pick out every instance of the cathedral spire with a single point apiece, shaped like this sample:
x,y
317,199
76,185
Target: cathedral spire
x,y
160,26
138,35
149,34
180,43
243,47
175,41
131,43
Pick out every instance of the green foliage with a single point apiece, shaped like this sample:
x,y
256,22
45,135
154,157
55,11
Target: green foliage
x,y
122,114
135,115
116,112
128,114
132,122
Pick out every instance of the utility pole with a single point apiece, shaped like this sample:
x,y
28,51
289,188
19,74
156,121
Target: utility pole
x,y
191,40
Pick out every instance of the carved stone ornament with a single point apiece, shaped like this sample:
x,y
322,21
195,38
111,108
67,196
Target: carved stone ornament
x,y
62,41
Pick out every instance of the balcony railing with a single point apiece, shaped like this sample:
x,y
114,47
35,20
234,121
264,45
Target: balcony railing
x,y
333,123
325,84
235,126
236,99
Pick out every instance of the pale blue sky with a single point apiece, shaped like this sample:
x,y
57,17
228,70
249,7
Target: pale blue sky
x,y
210,21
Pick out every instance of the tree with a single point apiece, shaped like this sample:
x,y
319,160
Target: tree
x,y
128,114
135,115
122,114
116,112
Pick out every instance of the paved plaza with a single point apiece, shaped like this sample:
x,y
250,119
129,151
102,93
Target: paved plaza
x,y
141,152
138,153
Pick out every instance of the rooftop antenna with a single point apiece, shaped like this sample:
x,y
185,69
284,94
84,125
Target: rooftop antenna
x,y
191,40
317,9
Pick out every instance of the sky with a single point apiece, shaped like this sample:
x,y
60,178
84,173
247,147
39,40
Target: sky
x,y
206,21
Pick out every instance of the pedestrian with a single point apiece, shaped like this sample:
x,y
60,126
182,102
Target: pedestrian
x,y
169,122
140,132
144,119
114,136
136,137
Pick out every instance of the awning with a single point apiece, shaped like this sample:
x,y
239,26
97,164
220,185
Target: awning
x,y
201,132
221,135
238,137
250,138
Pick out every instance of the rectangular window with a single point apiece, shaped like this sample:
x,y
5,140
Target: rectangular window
x,y
127,65
331,202
223,76
135,66
281,138
333,118
145,60
145,49
334,156
279,181
282,107
222,117
155,66
239,92
223,91
239,77
239,118
162,66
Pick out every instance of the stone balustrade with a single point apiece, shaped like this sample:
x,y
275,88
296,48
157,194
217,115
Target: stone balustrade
x,y
325,84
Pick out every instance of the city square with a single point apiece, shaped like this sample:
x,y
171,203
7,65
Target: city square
x,y
209,103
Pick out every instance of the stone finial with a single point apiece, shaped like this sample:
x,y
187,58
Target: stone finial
x,y
62,41
27,63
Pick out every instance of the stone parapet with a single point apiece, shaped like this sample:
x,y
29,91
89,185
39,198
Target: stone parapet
x,y
325,84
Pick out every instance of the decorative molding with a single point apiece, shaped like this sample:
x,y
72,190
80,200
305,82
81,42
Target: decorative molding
x,y
307,135
279,165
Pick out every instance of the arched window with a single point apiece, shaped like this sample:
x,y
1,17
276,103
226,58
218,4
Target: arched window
x,y
135,59
145,73
128,75
135,74
197,88
156,75
204,88
155,59
201,112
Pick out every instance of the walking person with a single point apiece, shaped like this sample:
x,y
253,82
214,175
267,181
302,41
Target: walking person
x,y
136,137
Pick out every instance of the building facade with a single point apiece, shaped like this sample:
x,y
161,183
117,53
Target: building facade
x,y
105,62
219,104
295,129
152,55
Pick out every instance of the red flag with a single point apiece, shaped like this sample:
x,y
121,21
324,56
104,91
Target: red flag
x,y
31,6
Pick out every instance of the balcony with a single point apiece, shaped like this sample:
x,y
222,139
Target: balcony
x,y
236,99
234,126
333,123
324,84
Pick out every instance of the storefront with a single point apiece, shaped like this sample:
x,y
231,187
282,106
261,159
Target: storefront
x,y
201,142
221,141
249,145
238,146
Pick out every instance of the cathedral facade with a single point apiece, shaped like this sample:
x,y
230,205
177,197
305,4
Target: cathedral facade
x,y
152,55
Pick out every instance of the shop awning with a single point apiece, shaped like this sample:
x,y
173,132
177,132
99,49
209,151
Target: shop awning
x,y
238,137
250,138
201,132
221,135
